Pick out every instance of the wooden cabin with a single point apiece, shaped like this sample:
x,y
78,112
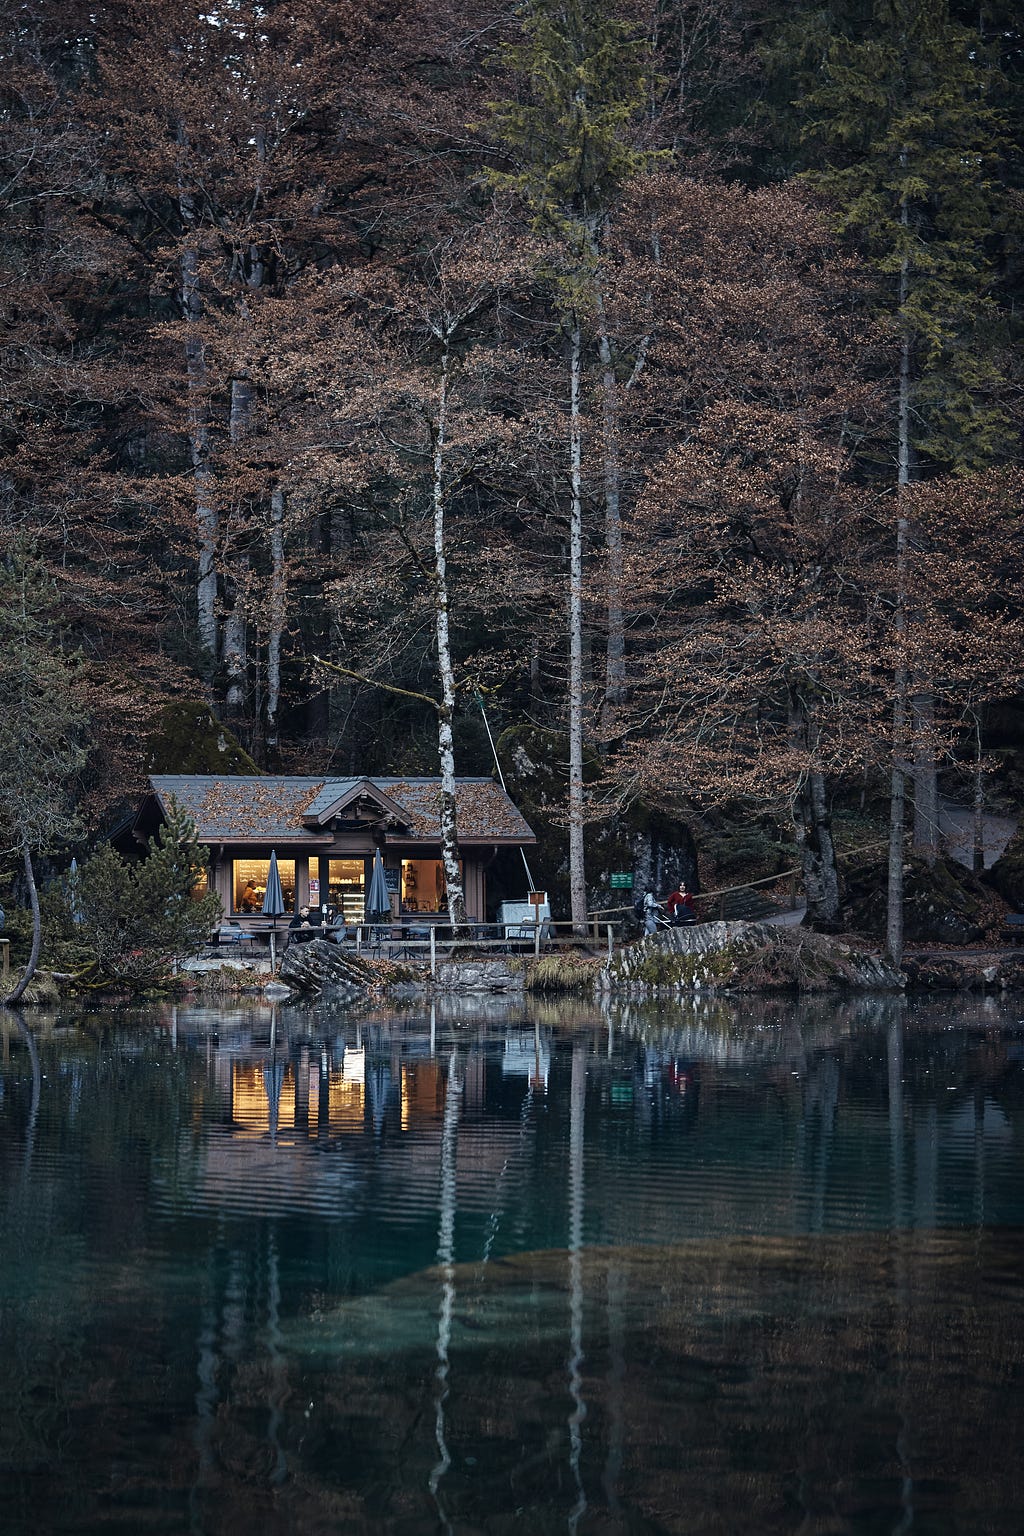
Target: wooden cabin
x,y
325,831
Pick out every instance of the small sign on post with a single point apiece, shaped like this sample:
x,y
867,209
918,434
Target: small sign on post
x,y
538,901
621,880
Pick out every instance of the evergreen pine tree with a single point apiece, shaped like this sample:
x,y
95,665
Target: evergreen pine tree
x,y
902,132
903,135
139,919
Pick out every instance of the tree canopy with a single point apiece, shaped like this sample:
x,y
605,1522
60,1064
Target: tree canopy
x,y
582,354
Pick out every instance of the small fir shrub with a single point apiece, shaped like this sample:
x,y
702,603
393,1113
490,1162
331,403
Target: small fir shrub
x,y
139,919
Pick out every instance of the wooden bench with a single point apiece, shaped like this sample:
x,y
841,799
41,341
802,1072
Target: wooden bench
x,y
1013,927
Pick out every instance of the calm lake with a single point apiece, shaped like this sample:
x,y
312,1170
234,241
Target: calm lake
x,y
751,1267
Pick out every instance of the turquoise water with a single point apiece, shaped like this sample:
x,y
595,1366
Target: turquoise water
x,y
725,1268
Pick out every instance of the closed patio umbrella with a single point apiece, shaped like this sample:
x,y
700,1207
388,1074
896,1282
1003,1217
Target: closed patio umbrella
x,y
273,1081
378,902
273,903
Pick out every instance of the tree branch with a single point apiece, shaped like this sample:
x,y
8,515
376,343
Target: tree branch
x,y
373,682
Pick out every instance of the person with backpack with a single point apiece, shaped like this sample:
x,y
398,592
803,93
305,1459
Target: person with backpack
x,y
651,912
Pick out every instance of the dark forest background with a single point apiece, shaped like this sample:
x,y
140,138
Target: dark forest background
x,y
685,330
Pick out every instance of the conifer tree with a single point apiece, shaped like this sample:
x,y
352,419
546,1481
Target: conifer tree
x,y
140,918
906,143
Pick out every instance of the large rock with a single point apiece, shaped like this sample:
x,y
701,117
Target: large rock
x,y
1007,873
746,957
943,903
964,973
186,737
657,850
482,975
318,966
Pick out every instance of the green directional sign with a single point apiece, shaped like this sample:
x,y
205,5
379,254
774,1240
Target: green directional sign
x,y
621,881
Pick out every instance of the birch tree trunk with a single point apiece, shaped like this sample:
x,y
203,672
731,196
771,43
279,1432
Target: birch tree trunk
x,y
577,869
898,788
207,520
278,593
446,708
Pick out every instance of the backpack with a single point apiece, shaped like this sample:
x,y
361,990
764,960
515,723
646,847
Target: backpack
x,y
638,908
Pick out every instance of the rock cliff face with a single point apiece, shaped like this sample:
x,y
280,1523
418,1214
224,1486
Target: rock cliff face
x,y
1007,873
745,957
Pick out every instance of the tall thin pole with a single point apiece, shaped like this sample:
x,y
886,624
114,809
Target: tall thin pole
x,y
501,777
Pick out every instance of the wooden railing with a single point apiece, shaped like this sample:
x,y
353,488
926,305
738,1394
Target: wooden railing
x,y
442,940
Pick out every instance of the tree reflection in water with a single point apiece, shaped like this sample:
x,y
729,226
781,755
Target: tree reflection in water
x,y
709,1269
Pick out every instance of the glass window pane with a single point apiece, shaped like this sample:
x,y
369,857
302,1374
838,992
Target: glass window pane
x,y
249,883
424,888
346,888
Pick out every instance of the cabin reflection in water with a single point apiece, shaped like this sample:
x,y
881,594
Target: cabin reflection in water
x,y
300,1100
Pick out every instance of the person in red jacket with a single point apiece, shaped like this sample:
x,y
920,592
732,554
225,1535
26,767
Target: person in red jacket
x,y
679,906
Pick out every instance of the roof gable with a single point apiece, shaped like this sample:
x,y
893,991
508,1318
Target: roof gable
x,y
337,796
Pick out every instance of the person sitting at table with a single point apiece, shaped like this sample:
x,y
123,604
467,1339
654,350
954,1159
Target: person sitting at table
x,y
302,927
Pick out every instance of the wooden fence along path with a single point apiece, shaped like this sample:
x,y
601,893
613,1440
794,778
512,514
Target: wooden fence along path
x,y
443,941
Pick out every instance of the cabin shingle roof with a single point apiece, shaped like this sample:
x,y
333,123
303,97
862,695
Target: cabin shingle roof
x,y
284,809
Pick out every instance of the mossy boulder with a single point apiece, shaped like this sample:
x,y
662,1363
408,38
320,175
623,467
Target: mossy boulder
x,y
1007,873
657,850
188,738
943,903
745,957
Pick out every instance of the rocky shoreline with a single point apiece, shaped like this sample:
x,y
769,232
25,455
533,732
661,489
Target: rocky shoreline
x,y
720,957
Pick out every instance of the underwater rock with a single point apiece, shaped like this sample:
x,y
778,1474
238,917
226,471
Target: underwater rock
x,y
478,976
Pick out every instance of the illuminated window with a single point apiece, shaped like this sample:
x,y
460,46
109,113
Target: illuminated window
x,y
201,886
249,883
346,888
424,888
